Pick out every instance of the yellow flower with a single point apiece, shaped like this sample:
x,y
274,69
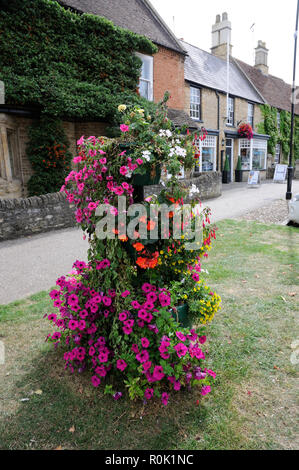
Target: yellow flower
x,y
122,108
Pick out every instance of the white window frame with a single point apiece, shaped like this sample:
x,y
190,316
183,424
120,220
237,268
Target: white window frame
x,y
195,104
231,111
150,80
212,141
250,114
251,144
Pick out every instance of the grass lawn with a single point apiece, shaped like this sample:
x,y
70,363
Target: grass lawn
x,y
254,268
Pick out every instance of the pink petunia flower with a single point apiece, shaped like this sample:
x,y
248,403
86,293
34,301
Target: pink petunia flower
x,y
121,364
124,128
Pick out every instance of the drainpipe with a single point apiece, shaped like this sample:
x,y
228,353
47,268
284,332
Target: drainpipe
x,y
218,128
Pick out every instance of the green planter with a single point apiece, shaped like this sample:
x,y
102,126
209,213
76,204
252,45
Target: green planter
x,y
182,316
238,176
147,179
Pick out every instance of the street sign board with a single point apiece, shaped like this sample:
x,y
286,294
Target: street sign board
x,y
280,173
254,178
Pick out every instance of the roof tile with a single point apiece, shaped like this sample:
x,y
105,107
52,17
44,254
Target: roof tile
x,y
136,15
275,91
208,70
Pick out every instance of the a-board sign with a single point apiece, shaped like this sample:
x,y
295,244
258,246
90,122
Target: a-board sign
x,y
254,178
280,172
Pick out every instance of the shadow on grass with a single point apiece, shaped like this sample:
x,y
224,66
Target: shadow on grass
x,y
45,420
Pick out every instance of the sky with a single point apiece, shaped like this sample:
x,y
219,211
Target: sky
x,y
274,21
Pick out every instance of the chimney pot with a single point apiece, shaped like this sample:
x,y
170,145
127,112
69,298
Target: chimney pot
x,y
221,36
261,57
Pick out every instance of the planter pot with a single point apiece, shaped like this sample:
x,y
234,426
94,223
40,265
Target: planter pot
x,y
149,178
226,177
238,176
181,316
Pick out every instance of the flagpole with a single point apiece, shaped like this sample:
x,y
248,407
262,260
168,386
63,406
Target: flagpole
x,y
290,167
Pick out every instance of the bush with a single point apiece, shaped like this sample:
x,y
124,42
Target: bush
x,y
64,63
47,151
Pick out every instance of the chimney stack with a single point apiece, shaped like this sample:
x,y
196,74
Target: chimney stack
x,y
261,57
221,36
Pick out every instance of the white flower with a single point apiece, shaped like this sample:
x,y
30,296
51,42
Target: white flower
x,y
179,151
165,133
146,154
193,190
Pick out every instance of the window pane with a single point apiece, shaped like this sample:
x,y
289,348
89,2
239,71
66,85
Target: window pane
x,y
245,158
259,154
231,109
208,153
146,69
250,113
195,103
144,89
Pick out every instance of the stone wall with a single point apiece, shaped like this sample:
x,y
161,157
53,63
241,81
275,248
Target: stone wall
x,y
15,186
28,216
209,185
32,215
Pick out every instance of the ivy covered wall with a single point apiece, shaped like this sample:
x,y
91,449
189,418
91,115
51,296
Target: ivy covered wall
x,y
69,65
279,135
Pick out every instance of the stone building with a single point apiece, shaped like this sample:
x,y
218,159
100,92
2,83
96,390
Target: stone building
x,y
220,98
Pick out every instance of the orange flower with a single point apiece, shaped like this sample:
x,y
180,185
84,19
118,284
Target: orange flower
x,y
141,262
151,225
143,219
138,246
123,238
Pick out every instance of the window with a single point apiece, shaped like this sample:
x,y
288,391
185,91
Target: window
x,y
253,154
259,154
277,153
250,114
278,120
245,152
195,111
207,149
146,77
231,111
9,165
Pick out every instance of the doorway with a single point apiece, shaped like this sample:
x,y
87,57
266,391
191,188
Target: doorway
x,y
229,153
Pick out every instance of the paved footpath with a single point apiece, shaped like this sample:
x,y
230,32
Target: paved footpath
x,y
31,264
